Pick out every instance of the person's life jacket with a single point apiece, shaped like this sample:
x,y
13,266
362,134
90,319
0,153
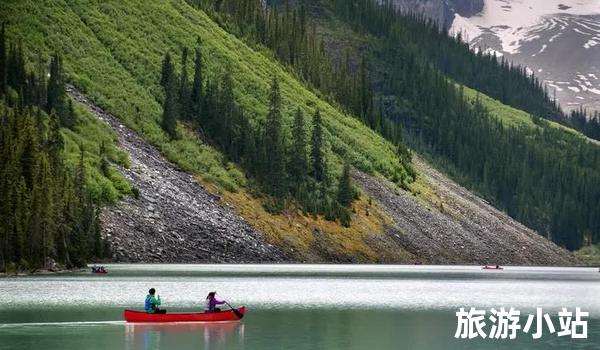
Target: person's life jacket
x,y
148,303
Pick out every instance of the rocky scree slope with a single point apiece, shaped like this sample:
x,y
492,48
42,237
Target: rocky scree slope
x,y
459,228
174,219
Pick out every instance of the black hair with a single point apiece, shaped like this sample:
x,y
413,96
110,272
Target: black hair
x,y
152,291
211,294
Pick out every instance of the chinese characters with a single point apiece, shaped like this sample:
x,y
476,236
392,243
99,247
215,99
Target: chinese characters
x,y
503,324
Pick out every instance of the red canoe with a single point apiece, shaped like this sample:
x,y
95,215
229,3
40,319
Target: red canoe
x,y
223,316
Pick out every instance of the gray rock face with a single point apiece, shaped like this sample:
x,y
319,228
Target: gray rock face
x,y
442,11
174,219
465,8
465,230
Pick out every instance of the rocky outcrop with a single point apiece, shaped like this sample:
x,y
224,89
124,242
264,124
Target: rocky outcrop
x,y
442,11
464,229
465,8
174,219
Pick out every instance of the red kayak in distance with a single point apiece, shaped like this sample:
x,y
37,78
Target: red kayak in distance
x,y
492,268
221,316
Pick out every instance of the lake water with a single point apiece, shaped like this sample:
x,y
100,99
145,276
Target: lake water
x,y
293,306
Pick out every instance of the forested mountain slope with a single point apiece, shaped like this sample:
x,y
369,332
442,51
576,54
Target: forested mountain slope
x,y
117,54
392,69
541,173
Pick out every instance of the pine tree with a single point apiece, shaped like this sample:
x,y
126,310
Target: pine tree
x,y
3,60
76,240
56,88
170,110
37,233
40,95
104,163
226,112
345,195
250,157
364,97
184,90
22,212
167,71
318,161
197,86
276,176
298,157
55,143
68,118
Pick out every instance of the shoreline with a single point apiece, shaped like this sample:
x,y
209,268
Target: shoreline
x,y
41,272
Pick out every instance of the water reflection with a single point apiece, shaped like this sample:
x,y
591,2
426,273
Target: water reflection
x,y
208,336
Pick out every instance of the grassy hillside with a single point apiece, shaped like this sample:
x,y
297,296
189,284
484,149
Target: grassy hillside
x,y
113,52
511,116
589,255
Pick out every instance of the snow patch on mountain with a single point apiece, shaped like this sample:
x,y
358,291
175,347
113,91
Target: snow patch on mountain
x,y
511,20
590,43
559,40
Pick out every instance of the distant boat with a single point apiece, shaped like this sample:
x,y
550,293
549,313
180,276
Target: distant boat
x,y
100,270
497,267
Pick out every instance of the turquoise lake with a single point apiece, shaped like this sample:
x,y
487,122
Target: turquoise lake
x,y
293,306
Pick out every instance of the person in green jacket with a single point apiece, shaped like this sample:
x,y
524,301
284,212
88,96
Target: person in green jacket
x,y
152,303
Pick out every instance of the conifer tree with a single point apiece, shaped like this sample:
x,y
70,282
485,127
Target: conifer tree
x,y
167,71
170,110
298,157
56,88
345,195
184,90
250,157
67,119
316,146
226,112
3,60
276,176
104,163
55,142
197,86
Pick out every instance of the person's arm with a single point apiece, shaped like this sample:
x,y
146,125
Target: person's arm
x,y
219,302
154,301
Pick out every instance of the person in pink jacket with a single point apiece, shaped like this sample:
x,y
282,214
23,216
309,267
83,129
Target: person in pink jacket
x,y
212,302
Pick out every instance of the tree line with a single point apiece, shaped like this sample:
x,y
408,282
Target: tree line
x,y
290,171
46,211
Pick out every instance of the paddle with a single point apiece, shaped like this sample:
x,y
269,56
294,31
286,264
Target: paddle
x,y
235,311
